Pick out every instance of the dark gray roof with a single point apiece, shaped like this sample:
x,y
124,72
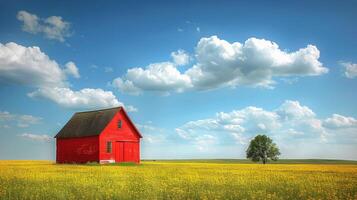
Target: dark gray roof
x,y
88,123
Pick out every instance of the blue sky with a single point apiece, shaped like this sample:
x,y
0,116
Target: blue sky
x,y
200,79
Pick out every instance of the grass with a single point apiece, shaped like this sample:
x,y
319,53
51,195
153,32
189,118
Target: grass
x,y
180,179
111,164
245,161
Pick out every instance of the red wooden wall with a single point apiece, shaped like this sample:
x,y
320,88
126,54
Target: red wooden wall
x,y
125,141
77,150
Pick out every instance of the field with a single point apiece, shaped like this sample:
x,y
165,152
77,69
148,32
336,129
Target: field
x,y
190,179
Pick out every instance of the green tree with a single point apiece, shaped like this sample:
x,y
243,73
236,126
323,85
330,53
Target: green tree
x,y
262,148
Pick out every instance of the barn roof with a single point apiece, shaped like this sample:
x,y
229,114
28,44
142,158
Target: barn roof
x,y
89,123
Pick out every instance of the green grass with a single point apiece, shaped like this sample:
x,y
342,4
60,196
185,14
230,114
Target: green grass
x,y
180,179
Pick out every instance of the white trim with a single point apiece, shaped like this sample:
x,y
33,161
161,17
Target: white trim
x,y
106,161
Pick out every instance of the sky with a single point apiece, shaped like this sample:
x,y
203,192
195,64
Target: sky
x,y
199,79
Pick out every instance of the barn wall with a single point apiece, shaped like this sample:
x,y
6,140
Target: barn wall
x,y
113,133
77,150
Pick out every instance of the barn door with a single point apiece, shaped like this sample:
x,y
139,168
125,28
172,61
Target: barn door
x,y
119,152
127,151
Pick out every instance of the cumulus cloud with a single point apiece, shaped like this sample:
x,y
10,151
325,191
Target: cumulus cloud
x,y
350,69
7,118
337,121
126,86
53,27
255,63
35,137
237,125
219,63
180,57
300,119
18,63
71,69
290,121
85,98
159,77
293,110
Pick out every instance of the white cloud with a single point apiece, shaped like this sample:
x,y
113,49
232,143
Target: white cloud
x,y
30,21
293,110
180,57
53,27
219,63
34,137
256,62
126,86
26,120
291,122
339,121
160,77
5,116
84,98
312,126
203,142
131,108
18,63
299,119
20,120
249,119
93,67
350,69
87,98
108,69
152,134
294,132
72,69
183,133
198,29
238,125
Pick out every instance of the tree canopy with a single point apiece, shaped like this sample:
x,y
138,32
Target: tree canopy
x,y
262,148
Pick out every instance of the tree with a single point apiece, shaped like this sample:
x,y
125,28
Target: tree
x,y
262,148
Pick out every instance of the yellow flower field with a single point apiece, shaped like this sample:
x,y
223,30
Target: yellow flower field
x,y
177,180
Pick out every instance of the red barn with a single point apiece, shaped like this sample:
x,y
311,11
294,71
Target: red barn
x,y
103,136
